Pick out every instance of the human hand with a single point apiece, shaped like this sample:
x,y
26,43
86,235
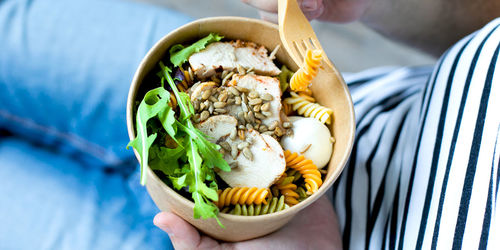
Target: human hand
x,y
315,227
326,10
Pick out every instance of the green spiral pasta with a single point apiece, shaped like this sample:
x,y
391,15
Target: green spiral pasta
x,y
274,205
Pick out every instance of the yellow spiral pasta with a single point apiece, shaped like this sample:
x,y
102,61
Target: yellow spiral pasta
x,y
242,195
309,171
307,94
309,109
287,189
303,77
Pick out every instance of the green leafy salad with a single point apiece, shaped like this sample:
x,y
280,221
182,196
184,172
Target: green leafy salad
x,y
183,165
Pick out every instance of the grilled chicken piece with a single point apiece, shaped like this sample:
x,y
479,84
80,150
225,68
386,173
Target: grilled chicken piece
x,y
267,161
197,91
266,166
218,127
262,85
228,55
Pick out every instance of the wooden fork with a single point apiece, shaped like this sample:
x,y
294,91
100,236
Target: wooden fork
x,y
296,33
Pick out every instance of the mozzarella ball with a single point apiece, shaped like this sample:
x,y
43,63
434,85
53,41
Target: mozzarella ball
x,y
310,138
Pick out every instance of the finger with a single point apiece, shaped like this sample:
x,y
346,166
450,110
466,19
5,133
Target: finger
x,y
312,9
263,5
310,14
182,234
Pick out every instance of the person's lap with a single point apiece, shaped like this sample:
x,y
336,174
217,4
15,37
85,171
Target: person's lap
x,y
50,201
67,180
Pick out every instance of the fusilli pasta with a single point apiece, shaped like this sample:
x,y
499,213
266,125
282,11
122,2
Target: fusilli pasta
x,y
307,94
287,189
274,205
242,195
309,171
309,109
303,77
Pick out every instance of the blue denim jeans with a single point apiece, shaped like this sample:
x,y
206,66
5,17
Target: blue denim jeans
x,y
66,179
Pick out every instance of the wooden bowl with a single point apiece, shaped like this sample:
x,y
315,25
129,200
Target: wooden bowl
x,y
332,93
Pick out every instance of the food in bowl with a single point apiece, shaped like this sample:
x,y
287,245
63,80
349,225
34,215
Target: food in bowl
x,y
216,128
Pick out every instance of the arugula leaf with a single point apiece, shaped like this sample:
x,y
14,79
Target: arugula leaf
x,y
180,54
166,159
154,102
195,145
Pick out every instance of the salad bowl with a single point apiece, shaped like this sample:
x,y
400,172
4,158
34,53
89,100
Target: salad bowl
x,y
330,91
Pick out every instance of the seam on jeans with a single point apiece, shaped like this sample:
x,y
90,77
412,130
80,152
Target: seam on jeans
x,y
75,141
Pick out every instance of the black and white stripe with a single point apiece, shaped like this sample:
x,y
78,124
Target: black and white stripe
x,y
424,172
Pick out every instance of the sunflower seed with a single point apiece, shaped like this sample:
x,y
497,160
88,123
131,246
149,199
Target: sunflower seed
x,y
263,128
219,105
242,89
268,133
196,105
241,117
253,94
232,136
265,106
234,91
266,97
247,119
241,127
260,116
247,153
202,106
233,165
204,115
241,134
274,125
234,151
241,70
206,94
256,108
251,117
213,99
243,145
267,113
244,98
220,111
278,131
223,96
287,125
255,101
249,126
237,100
244,107
225,145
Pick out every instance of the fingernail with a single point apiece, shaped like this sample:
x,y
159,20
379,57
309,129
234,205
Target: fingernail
x,y
309,5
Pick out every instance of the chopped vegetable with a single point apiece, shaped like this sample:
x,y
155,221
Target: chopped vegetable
x,y
180,54
285,77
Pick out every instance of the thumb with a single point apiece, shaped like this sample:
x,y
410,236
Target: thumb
x,y
181,233
312,9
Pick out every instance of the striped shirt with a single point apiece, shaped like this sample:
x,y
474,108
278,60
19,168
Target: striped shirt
x,y
424,171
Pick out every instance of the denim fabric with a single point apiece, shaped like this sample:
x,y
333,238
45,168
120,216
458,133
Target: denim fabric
x,y
66,179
